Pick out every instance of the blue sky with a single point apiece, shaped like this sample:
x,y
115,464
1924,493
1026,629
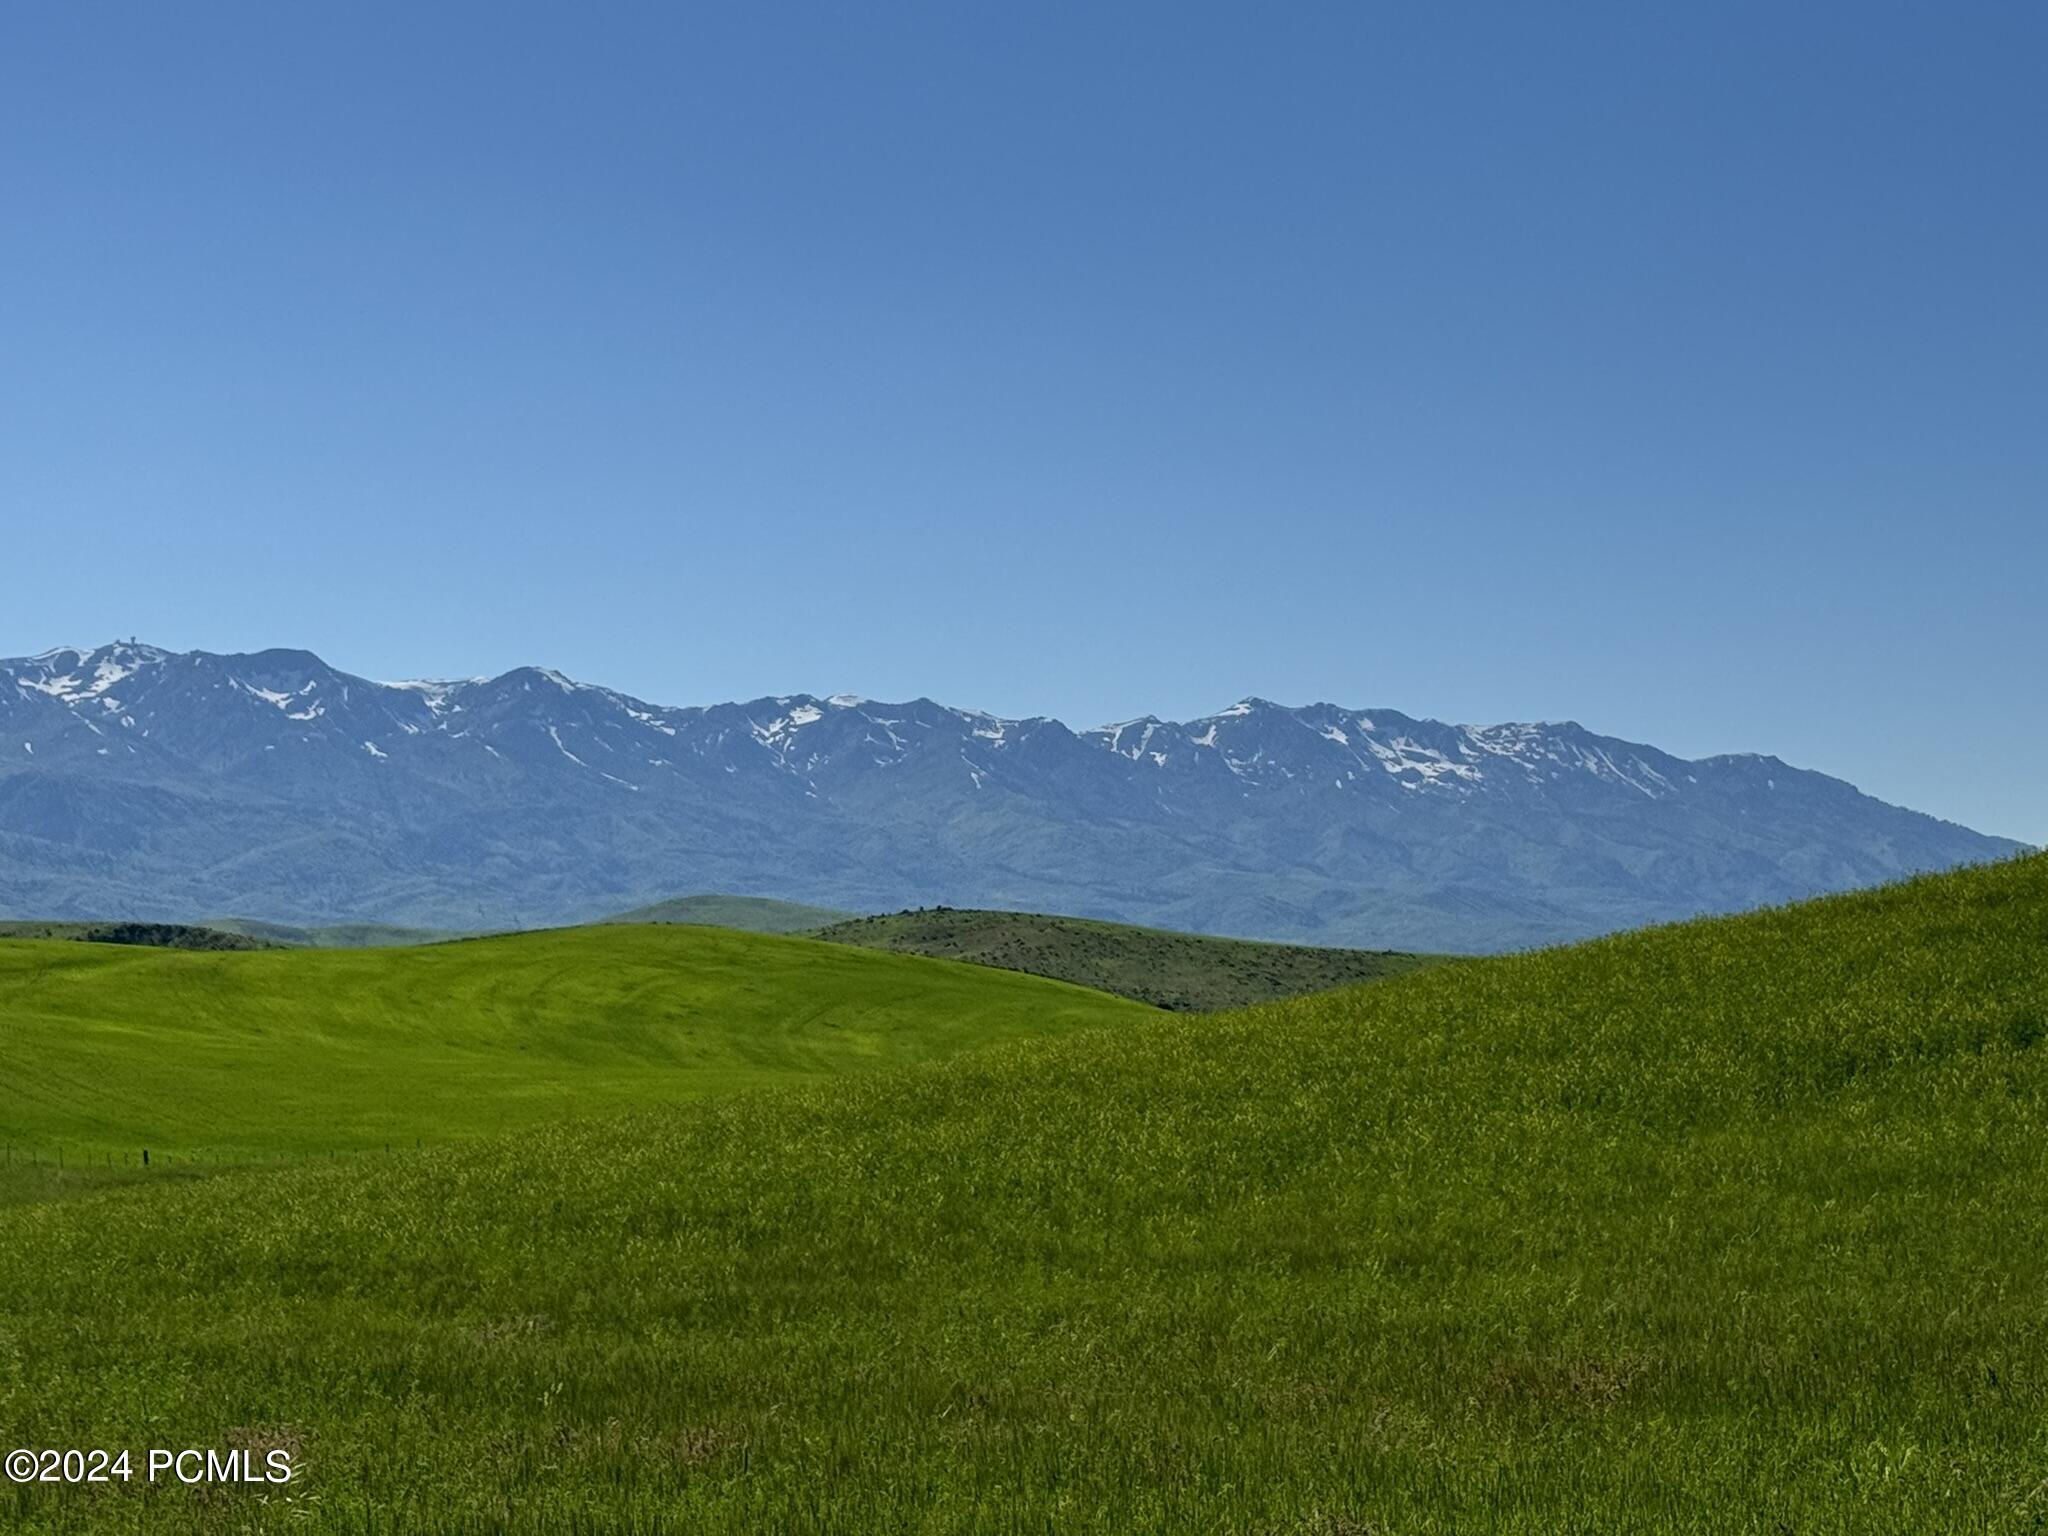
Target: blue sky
x,y
1682,370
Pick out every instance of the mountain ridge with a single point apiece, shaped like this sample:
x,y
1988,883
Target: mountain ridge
x,y
168,784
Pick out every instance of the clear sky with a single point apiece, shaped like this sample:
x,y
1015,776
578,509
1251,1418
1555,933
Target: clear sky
x,y
1682,370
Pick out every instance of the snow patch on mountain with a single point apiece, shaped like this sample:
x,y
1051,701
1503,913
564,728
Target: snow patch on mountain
x,y
1307,809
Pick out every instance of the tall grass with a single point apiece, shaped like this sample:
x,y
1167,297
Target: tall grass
x,y
1736,1226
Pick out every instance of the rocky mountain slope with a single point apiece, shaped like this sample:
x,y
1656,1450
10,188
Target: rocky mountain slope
x,y
141,783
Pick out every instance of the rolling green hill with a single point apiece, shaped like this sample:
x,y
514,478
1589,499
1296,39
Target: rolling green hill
x,y
1188,972
110,1049
1733,1226
155,935
227,933
750,914
331,935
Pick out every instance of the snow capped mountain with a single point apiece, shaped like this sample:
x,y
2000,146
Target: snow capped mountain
x,y
140,782
1268,744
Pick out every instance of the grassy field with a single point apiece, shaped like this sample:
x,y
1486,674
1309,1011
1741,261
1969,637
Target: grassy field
x,y
1732,1227
109,1049
1187,972
751,914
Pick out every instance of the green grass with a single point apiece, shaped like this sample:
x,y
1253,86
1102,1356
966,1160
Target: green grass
x,y
1187,972
1732,1227
109,1050
751,914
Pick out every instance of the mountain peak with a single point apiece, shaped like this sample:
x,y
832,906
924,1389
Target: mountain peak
x,y
70,673
1251,704
158,784
528,677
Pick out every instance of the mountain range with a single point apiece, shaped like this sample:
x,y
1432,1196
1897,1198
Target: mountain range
x,y
148,784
